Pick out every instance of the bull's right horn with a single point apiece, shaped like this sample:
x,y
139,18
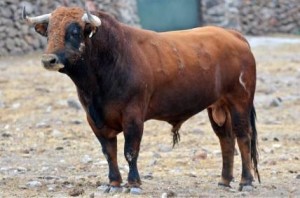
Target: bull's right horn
x,y
89,18
34,20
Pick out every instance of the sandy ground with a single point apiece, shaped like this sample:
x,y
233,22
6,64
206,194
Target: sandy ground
x,y
47,148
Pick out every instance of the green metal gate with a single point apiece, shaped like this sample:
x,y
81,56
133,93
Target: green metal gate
x,y
164,15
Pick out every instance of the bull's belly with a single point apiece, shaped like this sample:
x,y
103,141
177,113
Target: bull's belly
x,y
176,108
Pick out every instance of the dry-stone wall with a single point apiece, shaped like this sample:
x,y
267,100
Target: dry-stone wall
x,y
270,16
16,37
255,17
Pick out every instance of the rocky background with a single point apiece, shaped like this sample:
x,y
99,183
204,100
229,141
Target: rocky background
x,y
16,37
257,17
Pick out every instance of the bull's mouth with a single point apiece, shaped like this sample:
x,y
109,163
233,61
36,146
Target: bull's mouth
x,y
51,62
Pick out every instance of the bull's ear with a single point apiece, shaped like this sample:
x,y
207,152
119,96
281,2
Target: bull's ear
x,y
41,28
89,30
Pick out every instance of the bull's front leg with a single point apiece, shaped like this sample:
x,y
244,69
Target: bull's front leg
x,y
108,140
133,131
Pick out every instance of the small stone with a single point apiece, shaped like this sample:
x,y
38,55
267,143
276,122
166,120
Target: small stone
x,y
59,148
56,133
298,176
16,105
165,148
247,188
276,102
76,192
164,195
42,125
22,187
74,104
86,159
148,176
152,162
276,139
135,191
34,184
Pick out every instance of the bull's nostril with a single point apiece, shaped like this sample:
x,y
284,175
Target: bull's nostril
x,y
52,61
49,60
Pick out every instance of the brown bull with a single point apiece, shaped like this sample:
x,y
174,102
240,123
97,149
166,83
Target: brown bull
x,y
125,76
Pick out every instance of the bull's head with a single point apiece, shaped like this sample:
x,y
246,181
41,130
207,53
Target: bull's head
x,y
67,30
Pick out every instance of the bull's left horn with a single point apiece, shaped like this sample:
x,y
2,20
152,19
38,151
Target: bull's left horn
x,y
34,20
89,18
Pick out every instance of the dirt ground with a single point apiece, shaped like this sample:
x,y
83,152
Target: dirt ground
x,y
48,150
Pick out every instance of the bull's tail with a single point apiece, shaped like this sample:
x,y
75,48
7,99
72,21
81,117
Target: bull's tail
x,y
254,151
175,133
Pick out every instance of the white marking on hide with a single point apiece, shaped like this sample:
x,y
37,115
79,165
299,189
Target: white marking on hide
x,y
81,47
128,157
241,81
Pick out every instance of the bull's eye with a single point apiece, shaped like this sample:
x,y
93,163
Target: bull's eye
x,y
75,32
73,36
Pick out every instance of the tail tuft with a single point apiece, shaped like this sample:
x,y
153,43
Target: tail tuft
x,y
176,135
254,151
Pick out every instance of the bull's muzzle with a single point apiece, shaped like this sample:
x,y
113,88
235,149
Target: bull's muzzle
x,y
51,62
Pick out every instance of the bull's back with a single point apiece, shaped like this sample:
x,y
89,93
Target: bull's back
x,y
191,69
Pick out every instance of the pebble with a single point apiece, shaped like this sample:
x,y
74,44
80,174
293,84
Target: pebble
x,y
76,192
56,133
86,159
34,184
298,176
164,148
74,104
276,102
42,125
247,188
148,176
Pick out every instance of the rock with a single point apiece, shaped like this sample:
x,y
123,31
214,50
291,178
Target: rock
x,y
148,176
74,104
164,148
42,125
276,102
298,176
76,192
200,155
86,159
247,188
34,184
164,195
56,133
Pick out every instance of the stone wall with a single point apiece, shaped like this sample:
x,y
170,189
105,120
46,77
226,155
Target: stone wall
x,y
16,37
254,17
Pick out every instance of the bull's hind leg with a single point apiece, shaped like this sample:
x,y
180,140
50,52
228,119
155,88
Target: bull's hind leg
x,y
221,124
246,139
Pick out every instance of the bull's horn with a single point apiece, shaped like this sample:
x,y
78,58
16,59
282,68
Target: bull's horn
x,y
89,18
34,20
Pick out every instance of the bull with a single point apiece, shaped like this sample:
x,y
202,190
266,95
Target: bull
x,y
125,76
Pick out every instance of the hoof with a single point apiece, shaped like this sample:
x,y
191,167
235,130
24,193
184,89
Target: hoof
x,y
115,190
135,191
110,189
246,188
104,188
222,185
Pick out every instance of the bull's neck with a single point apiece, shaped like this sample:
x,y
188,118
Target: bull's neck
x,y
104,67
